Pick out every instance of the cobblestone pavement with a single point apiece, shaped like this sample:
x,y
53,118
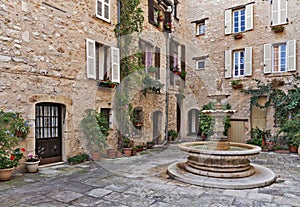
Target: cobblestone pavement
x,y
142,181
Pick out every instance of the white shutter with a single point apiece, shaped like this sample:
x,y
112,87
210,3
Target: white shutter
x,y
228,63
283,11
101,62
291,55
103,9
267,58
91,58
275,12
228,14
248,61
249,17
115,65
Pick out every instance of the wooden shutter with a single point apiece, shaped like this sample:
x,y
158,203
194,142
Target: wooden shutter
x,y
91,58
248,61
267,58
151,11
283,11
115,64
291,55
157,62
275,12
249,17
228,63
228,15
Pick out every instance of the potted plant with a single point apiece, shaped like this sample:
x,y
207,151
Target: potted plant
x,y
127,146
150,144
172,135
9,153
32,163
183,74
277,28
95,139
236,84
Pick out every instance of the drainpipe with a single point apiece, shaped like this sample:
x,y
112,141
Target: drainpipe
x,y
119,21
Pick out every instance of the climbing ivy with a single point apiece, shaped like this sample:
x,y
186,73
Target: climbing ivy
x,y
286,102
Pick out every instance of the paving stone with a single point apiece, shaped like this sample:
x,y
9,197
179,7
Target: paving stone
x,y
98,192
129,200
117,187
64,196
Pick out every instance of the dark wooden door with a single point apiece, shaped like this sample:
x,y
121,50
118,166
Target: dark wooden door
x,y
48,132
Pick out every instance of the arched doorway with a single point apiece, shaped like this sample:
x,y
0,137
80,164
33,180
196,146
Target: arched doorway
x,y
157,126
48,131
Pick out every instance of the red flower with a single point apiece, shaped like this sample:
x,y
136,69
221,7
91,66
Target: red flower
x,y
12,157
23,149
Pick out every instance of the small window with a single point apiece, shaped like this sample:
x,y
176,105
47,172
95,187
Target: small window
x,y
239,21
200,65
138,120
103,10
239,63
200,28
102,61
107,114
175,10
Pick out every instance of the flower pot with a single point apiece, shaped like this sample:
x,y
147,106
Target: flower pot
x,y
111,153
32,167
96,156
5,174
293,149
127,152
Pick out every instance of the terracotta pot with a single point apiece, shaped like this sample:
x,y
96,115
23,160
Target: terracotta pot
x,y
32,167
111,153
293,149
96,156
127,152
282,151
5,174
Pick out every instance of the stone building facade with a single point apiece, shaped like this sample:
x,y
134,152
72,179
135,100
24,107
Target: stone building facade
x,y
54,54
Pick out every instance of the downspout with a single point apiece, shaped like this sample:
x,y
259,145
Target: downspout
x,y
167,85
119,22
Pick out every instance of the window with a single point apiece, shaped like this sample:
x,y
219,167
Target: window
x,y
107,113
200,28
138,120
239,66
193,122
150,58
177,60
103,9
175,9
278,12
238,62
200,65
102,61
239,19
280,57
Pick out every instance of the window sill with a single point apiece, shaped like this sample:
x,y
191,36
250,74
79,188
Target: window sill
x,y
99,18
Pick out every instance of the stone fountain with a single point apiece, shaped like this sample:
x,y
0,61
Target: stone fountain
x,y
218,162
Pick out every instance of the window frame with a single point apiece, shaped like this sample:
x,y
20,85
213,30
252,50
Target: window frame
x,y
276,68
102,15
281,13
197,64
200,25
234,53
241,27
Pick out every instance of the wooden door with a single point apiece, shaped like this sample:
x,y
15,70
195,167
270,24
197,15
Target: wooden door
x,y
48,132
236,132
258,115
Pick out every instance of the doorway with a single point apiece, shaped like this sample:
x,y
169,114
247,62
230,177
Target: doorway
x,y
48,132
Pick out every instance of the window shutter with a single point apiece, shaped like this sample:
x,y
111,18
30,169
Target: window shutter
x,y
275,12
291,55
115,64
267,58
91,58
248,61
249,17
228,64
111,118
151,11
228,14
157,62
101,63
283,11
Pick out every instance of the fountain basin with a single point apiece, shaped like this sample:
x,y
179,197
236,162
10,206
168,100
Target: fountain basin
x,y
234,162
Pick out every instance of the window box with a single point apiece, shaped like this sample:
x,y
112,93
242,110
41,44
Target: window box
x,y
236,84
277,28
237,36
